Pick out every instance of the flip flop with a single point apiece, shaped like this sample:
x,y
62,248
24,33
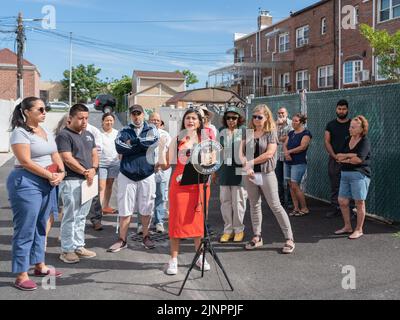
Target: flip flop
x,y
360,234
341,232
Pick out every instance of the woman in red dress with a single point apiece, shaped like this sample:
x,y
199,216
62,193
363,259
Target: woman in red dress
x,y
186,192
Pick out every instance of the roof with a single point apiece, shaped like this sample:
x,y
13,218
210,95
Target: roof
x,y
158,74
10,58
309,7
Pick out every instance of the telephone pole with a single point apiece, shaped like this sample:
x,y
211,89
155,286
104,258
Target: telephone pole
x,y
70,70
20,56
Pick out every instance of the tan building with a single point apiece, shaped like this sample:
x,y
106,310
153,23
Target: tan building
x,y
8,76
51,90
152,89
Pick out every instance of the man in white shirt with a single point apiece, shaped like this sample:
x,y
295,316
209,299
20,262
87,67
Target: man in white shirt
x,y
162,178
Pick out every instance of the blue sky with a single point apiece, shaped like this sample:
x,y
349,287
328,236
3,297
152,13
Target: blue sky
x,y
164,46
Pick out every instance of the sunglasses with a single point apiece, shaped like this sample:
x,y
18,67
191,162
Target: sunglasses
x,y
136,113
258,117
42,110
233,118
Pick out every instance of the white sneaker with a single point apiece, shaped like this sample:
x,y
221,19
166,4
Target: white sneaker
x,y
140,230
199,262
172,266
160,228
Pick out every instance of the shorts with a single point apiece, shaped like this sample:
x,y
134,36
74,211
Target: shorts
x,y
110,172
354,185
294,172
136,196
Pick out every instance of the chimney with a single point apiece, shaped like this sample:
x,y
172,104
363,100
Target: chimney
x,y
264,19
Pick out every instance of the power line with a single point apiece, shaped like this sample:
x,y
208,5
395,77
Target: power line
x,y
153,21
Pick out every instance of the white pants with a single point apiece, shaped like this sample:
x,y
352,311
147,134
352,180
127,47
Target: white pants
x,y
136,196
233,206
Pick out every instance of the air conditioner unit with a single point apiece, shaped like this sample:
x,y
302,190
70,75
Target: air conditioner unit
x,y
363,75
303,42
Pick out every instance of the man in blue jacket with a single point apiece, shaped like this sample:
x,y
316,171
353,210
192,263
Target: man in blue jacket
x,y
136,180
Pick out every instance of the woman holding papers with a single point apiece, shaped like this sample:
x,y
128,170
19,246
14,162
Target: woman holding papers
x,y
38,169
295,150
186,189
259,161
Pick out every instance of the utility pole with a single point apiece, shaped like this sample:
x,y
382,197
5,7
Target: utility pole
x,y
70,70
20,54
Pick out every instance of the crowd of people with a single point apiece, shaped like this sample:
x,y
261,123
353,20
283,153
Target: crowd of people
x,y
267,156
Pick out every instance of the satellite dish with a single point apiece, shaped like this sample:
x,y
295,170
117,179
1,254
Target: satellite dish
x,y
207,157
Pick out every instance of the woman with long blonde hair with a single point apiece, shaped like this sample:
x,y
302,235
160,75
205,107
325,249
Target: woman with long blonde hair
x,y
259,158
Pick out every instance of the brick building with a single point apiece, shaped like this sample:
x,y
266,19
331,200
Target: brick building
x,y
8,76
302,51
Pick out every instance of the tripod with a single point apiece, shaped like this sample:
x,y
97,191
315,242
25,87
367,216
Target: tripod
x,y
205,244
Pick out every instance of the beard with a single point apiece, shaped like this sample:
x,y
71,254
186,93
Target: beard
x,y
342,116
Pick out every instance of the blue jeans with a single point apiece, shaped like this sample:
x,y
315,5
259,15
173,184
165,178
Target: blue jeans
x,y
30,199
74,216
161,198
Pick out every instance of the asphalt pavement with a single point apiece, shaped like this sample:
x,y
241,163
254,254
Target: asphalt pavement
x,y
317,270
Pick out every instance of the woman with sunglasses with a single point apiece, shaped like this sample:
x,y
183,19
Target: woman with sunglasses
x,y
259,158
186,189
232,194
38,169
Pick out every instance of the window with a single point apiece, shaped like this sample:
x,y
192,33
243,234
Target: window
x,y
284,44
352,71
268,83
302,80
323,25
356,15
378,71
389,9
325,77
302,36
284,81
241,55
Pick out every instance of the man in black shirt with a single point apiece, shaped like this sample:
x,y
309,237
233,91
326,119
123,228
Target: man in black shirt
x,y
336,133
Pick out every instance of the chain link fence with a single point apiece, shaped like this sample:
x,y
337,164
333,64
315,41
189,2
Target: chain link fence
x,y
381,106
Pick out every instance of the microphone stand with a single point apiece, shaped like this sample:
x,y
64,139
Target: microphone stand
x,y
205,244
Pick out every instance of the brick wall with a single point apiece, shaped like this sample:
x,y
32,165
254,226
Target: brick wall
x,y
8,83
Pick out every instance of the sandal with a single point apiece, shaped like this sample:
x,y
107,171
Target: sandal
x,y
252,244
293,213
301,213
288,248
356,235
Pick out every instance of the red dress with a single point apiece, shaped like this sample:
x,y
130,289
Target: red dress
x,y
185,203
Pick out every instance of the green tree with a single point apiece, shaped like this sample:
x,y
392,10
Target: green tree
x,y
190,77
387,48
119,88
86,83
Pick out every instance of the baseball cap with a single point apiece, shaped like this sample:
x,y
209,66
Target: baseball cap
x,y
234,110
136,107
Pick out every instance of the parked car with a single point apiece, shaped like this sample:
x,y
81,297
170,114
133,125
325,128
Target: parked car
x,y
57,106
105,103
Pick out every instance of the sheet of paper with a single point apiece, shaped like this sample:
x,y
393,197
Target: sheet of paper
x,y
89,192
258,179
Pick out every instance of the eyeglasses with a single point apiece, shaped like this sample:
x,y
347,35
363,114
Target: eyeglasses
x,y
233,118
258,117
136,113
